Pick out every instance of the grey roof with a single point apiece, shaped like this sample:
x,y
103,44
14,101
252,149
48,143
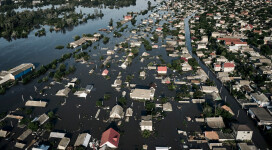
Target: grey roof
x,y
129,112
56,135
245,146
215,122
83,139
260,97
241,127
36,103
20,68
19,145
261,113
42,119
24,135
64,142
167,107
147,118
3,133
225,136
117,112
63,92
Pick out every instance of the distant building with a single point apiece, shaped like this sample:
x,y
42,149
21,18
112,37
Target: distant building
x,y
117,112
36,103
146,123
16,73
83,139
162,70
217,67
105,72
245,146
215,122
261,115
260,99
63,92
110,138
64,143
242,132
167,107
127,18
145,94
228,67
209,89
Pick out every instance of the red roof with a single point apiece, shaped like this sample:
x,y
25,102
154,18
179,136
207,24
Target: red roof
x,y
110,136
128,17
162,68
159,29
183,58
249,25
212,53
228,65
217,65
105,72
239,42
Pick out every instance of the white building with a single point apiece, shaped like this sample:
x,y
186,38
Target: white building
x,y
145,94
83,139
209,89
146,123
64,143
260,99
242,132
117,112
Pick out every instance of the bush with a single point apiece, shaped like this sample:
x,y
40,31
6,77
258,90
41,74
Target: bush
x,y
99,103
146,134
33,126
2,91
59,47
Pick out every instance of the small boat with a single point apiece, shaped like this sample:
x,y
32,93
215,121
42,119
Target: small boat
x,y
124,93
91,71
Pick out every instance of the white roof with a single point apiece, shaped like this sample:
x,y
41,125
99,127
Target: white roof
x,y
36,103
141,93
56,135
63,92
83,139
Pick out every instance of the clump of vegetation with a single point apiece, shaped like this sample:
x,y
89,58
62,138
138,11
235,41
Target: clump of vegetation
x,y
146,134
59,47
99,103
106,40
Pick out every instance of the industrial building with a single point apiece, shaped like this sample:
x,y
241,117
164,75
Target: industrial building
x,y
16,73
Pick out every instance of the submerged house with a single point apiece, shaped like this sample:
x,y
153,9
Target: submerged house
x,y
16,72
110,138
63,92
83,139
146,123
145,94
117,112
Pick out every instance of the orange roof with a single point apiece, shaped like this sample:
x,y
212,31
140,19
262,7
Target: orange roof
x,y
162,68
211,135
229,65
226,108
238,42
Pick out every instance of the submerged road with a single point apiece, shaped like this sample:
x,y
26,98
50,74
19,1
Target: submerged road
x,y
240,114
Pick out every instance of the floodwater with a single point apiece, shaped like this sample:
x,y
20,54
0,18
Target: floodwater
x,y
77,115
41,50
